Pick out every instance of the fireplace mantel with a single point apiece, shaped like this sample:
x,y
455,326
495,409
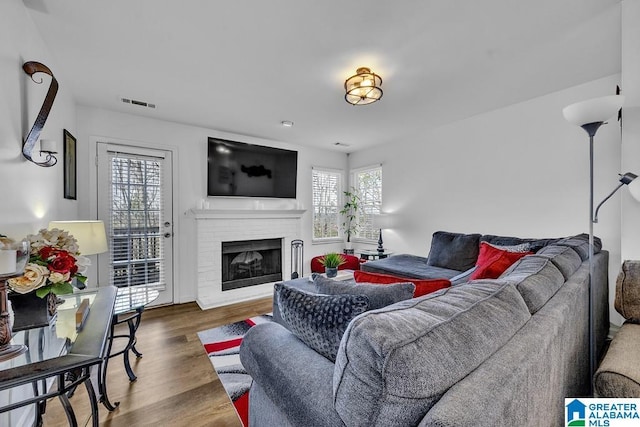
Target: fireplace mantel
x,y
245,213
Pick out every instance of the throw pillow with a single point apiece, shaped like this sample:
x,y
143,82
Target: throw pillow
x,y
454,251
493,261
379,296
423,286
318,320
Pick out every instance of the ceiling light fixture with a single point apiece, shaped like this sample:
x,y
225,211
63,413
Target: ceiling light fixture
x,y
287,123
363,88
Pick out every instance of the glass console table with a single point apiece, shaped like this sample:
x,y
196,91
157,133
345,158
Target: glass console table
x,y
129,305
57,352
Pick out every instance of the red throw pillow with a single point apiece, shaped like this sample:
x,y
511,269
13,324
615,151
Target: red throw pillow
x,y
493,261
423,286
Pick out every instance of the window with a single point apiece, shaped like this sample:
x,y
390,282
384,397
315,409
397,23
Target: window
x,y
368,184
327,191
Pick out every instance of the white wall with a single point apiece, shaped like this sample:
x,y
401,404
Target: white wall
x,y
31,195
631,116
520,170
190,145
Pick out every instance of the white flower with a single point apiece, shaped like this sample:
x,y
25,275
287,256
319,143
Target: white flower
x,y
34,277
83,264
56,238
56,277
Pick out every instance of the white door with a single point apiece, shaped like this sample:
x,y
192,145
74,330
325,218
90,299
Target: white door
x,y
135,202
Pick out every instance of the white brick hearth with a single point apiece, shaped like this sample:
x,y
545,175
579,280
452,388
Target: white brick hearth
x,y
214,226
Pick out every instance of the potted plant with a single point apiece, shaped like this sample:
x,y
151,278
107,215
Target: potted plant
x,y
349,212
331,262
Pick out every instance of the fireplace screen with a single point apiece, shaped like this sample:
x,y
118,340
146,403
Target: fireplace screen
x,y
251,262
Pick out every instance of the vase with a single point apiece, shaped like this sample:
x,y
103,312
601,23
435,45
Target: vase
x,y
31,311
331,271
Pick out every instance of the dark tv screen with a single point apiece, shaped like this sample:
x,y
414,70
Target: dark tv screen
x,y
248,170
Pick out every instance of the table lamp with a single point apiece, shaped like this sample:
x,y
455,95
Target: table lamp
x,y
91,236
381,221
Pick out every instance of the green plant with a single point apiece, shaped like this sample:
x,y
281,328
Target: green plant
x,y
332,260
349,211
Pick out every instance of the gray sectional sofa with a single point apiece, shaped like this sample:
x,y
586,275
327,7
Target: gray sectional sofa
x,y
494,352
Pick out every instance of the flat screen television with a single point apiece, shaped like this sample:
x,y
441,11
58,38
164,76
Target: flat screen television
x,y
239,169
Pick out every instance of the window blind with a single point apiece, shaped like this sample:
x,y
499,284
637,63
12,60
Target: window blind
x,y
135,218
326,195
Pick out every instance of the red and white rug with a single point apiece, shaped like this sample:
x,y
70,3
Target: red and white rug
x,y
222,344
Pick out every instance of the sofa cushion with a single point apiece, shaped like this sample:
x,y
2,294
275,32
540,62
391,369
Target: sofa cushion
x,y
627,296
395,363
564,257
454,251
618,376
318,320
408,266
493,261
580,244
379,296
463,277
422,286
536,278
534,245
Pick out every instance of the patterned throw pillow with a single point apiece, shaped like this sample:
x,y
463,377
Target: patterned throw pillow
x,y
379,296
318,320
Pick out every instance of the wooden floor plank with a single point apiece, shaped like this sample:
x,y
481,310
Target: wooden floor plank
x,y
176,384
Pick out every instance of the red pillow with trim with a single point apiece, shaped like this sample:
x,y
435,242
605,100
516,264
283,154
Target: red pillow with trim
x,y
423,286
493,261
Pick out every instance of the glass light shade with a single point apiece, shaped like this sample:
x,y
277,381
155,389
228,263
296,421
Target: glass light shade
x,y
363,88
91,235
594,110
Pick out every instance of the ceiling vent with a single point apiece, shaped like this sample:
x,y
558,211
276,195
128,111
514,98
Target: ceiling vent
x,y
139,103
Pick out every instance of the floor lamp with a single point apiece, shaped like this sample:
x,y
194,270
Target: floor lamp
x,y
590,115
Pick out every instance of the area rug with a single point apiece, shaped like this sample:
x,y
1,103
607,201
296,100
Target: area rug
x,y
222,345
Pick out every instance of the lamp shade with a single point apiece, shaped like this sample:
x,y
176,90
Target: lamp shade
x,y
634,189
594,110
382,221
91,236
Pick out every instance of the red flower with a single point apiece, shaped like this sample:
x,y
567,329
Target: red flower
x,y
63,262
47,251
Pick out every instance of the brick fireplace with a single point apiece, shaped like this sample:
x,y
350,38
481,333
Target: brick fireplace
x,y
236,227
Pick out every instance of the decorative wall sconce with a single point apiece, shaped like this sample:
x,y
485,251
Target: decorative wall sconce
x,y
363,88
29,143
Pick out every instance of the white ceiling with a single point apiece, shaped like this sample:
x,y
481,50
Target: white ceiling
x,y
244,66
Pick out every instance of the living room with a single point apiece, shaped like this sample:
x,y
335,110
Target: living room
x,y
490,156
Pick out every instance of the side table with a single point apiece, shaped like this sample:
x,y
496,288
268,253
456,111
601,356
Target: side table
x,y
368,255
59,352
130,303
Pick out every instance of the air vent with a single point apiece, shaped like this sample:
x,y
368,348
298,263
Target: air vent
x,y
139,103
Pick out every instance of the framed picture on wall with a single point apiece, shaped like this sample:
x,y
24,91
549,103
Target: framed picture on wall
x,y
70,177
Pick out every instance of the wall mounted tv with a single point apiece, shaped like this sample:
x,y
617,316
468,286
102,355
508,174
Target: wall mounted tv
x,y
245,170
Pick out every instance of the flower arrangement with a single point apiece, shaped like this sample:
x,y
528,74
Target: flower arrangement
x,y
54,262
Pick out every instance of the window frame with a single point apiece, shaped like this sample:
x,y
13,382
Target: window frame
x,y
339,202
373,238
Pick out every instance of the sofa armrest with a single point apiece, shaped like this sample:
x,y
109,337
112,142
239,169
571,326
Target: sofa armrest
x,y
292,375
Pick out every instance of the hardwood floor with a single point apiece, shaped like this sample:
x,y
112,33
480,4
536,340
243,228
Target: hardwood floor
x,y
176,384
